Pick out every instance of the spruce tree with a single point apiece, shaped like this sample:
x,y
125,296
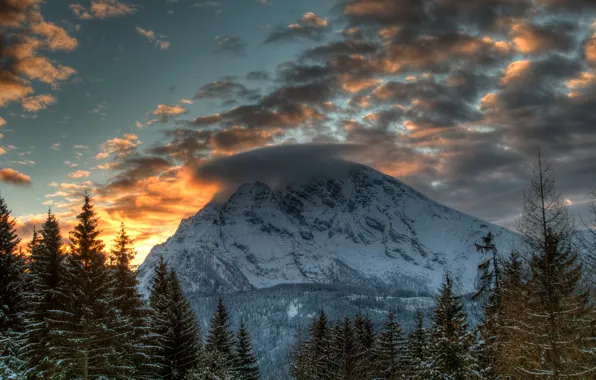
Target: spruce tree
x,y
47,301
175,329
11,295
132,324
220,339
489,293
557,322
450,355
390,350
184,341
417,348
89,339
159,302
319,347
246,366
364,342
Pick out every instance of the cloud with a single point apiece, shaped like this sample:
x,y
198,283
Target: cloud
x,y
2,121
310,27
230,45
257,75
13,177
103,9
118,147
277,166
56,37
164,112
79,174
540,38
37,103
163,45
225,89
20,58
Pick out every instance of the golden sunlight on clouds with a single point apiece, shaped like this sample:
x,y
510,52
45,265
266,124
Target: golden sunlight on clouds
x,y
515,70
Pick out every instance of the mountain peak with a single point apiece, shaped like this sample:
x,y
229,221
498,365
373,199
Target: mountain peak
x,y
356,227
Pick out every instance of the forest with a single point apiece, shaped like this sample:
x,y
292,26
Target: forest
x,y
73,310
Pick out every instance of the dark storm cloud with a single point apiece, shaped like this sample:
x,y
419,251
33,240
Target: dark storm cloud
x,y
226,89
133,168
277,166
184,145
259,116
314,93
257,75
230,45
339,48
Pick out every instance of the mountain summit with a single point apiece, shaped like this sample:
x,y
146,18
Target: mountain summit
x,y
351,241
357,228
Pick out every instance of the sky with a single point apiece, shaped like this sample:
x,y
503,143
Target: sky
x,y
138,102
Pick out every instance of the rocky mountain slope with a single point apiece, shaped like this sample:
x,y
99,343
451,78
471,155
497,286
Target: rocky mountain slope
x,y
365,234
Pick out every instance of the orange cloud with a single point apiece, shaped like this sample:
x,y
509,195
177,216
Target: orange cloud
x,y
37,103
13,177
515,70
103,9
118,146
44,70
79,174
56,37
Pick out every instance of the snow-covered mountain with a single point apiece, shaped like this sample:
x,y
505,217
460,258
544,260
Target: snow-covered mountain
x,y
359,227
354,241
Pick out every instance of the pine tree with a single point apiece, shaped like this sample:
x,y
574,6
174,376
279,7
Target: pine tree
x,y
174,327
11,295
220,338
159,302
88,351
449,355
132,324
246,366
47,301
557,320
184,343
390,349
490,328
364,342
344,350
417,348
319,347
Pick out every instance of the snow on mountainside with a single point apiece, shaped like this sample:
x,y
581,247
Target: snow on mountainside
x,y
357,228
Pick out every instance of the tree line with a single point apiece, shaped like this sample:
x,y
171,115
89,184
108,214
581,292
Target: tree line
x,y
74,311
538,320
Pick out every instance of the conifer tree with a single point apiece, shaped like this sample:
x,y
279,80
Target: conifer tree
x,y
489,293
558,320
47,301
88,351
159,302
417,348
132,324
450,355
390,350
246,365
184,340
319,347
220,339
174,327
364,342
11,294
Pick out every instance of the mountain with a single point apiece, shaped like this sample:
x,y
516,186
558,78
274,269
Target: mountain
x,y
357,240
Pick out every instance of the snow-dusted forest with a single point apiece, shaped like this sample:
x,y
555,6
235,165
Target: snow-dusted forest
x,y
74,311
